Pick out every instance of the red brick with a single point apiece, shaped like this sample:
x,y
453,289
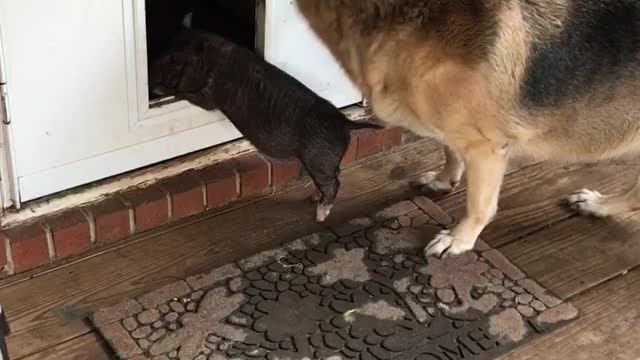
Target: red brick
x,y
350,155
111,217
284,171
186,195
254,174
221,183
150,207
369,143
29,247
71,233
391,137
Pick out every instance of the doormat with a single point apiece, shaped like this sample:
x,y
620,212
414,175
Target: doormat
x,y
362,290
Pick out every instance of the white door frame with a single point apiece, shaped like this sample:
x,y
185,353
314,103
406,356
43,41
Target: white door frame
x,y
9,193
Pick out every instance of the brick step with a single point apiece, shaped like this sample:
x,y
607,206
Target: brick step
x,y
47,240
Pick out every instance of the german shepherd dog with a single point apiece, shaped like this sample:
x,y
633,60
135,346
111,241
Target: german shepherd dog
x,y
555,79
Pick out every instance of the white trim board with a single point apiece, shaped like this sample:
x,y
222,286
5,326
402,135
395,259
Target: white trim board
x,y
96,168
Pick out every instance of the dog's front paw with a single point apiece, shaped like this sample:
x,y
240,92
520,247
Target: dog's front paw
x,y
588,202
434,182
446,244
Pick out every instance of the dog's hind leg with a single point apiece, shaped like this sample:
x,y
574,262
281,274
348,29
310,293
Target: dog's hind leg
x,y
592,203
486,165
447,179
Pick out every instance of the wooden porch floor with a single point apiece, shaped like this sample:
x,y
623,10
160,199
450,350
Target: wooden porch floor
x,y
594,263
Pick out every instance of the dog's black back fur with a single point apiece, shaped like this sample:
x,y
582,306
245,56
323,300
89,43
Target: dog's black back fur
x,y
278,114
599,44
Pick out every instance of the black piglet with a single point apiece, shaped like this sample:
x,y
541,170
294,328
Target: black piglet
x,y
278,114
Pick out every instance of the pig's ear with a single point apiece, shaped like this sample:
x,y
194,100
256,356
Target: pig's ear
x,y
187,21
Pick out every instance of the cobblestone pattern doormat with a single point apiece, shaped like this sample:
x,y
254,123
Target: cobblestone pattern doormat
x,y
359,291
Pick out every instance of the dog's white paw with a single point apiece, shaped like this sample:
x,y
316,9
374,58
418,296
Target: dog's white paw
x,y
432,181
445,244
589,202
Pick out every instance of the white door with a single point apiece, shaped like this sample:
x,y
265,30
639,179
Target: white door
x,y
76,76
290,44
77,80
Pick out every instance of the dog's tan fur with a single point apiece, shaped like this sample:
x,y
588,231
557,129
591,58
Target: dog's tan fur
x,y
447,69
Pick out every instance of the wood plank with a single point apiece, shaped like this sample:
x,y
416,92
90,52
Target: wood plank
x,y
607,329
579,253
608,326
52,308
532,197
86,347
47,311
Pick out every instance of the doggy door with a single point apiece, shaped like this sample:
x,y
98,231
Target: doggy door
x,y
272,28
157,22
234,20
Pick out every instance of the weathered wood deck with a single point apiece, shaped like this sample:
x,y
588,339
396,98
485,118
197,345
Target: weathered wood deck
x,y
594,263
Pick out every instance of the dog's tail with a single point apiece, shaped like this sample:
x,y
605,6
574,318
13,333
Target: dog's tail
x,y
363,125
